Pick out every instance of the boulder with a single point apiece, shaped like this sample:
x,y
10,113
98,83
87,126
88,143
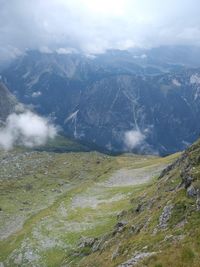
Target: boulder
x,y
191,191
86,242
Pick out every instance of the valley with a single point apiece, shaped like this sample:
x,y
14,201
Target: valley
x,y
99,133
105,196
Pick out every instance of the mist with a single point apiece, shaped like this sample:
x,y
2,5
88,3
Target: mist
x,y
93,26
133,138
26,129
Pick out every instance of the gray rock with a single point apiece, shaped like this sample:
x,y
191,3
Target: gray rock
x,y
187,181
86,242
18,259
191,191
173,238
198,200
136,259
120,226
136,228
100,243
1,264
96,246
168,238
165,216
121,214
115,253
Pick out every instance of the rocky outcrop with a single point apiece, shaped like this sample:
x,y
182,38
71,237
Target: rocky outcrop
x,y
136,259
165,216
191,191
86,242
120,227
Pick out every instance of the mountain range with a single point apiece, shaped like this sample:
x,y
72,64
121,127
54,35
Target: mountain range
x,y
146,101
62,204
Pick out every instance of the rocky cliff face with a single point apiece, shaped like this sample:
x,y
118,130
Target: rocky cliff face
x,y
99,100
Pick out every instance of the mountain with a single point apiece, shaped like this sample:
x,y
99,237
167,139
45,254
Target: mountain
x,y
164,108
65,205
8,103
99,99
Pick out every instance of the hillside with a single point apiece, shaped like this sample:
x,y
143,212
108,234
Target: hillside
x,y
161,226
50,201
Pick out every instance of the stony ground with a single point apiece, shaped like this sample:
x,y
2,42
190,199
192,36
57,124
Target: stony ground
x,y
49,201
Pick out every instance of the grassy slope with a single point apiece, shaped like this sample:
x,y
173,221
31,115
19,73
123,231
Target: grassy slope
x,y
178,244
41,197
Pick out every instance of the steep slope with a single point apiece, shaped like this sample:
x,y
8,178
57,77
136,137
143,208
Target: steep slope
x,y
162,226
8,102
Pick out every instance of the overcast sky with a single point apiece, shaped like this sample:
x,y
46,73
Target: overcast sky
x,y
93,26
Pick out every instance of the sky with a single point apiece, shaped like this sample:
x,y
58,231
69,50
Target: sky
x,y
93,26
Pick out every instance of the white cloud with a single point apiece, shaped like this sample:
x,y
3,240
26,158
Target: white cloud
x,y
27,129
36,94
65,51
45,50
93,26
133,139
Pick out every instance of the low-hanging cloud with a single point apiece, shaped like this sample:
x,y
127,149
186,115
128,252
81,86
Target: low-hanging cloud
x,y
133,139
93,26
26,129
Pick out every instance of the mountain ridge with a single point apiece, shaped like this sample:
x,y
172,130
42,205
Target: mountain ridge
x,y
163,106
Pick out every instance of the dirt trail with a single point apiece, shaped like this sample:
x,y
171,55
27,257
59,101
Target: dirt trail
x,y
99,193
128,177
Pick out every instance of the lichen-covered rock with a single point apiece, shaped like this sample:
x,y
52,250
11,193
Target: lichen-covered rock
x,y
191,191
100,243
115,253
187,180
120,226
121,214
18,260
136,259
198,200
165,216
86,242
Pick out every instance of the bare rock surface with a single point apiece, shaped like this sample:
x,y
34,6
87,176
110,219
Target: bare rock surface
x,y
136,259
